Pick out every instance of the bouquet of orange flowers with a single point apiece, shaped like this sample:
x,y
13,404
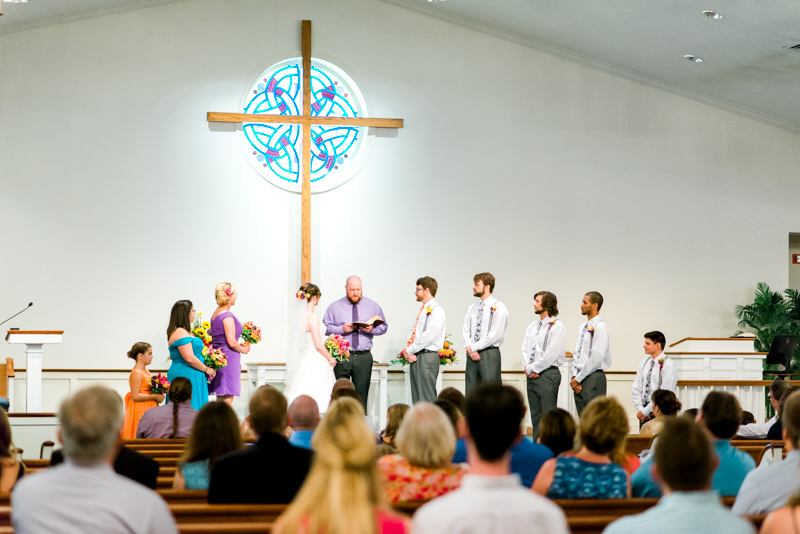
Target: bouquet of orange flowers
x,y
447,356
251,333
338,347
214,358
159,384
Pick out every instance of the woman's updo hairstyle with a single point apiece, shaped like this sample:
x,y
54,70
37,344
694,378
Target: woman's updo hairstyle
x,y
224,292
666,401
138,348
308,290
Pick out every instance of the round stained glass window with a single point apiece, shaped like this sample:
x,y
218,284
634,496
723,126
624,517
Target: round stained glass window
x,y
275,150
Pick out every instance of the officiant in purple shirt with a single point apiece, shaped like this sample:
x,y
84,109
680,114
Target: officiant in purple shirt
x,y
339,319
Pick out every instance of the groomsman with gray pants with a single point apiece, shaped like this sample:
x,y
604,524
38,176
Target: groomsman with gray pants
x,y
484,327
426,339
543,351
592,353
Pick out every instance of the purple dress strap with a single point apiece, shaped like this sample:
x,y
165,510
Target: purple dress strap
x,y
228,379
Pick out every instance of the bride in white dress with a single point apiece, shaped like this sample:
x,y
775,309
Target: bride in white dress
x,y
309,367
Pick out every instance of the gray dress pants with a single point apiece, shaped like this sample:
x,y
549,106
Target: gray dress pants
x,y
592,386
423,373
543,395
484,371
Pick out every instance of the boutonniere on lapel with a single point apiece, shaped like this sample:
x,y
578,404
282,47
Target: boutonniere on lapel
x,y
591,331
428,311
661,363
492,310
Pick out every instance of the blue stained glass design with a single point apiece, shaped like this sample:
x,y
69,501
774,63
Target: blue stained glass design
x,y
276,149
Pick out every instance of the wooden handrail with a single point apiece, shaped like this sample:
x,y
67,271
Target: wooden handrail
x,y
713,339
731,382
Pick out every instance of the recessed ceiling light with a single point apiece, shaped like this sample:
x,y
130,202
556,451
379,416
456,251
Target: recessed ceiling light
x,y
694,58
713,15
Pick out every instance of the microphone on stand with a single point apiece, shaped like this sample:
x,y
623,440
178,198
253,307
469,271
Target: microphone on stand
x,y
26,309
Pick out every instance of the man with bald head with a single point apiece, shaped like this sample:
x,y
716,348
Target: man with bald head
x,y
303,419
339,319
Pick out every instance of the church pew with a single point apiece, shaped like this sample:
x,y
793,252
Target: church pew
x,y
181,496
226,513
222,528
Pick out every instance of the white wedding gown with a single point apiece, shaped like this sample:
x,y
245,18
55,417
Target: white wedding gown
x,y
314,377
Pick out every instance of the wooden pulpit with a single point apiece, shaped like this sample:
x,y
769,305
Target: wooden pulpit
x,y
35,340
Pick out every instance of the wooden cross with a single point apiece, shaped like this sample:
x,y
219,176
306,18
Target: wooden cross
x,y
306,120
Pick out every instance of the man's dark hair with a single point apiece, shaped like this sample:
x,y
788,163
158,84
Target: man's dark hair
x,y
455,396
451,411
657,337
347,392
690,414
267,411
428,283
684,456
790,418
748,418
493,416
549,303
721,414
778,388
487,279
595,298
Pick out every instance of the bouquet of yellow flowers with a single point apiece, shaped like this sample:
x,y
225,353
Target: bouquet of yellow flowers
x,y
251,333
200,329
447,356
214,359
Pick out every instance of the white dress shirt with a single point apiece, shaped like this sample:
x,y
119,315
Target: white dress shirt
x,y
592,352
493,324
756,430
544,345
430,329
490,504
666,377
74,499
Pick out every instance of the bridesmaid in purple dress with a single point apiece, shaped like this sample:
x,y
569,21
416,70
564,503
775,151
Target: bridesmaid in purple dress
x,y
225,331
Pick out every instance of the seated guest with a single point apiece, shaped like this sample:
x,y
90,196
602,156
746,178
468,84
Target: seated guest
x,y
665,404
350,392
303,420
84,495
528,457
128,463
272,470
491,498
344,471
214,434
769,487
173,420
11,470
776,431
456,419
690,414
747,418
683,467
423,469
557,431
394,416
590,473
760,430
629,462
721,415
456,397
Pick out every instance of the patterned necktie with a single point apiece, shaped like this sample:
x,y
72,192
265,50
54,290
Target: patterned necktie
x,y
580,341
535,339
646,396
414,332
355,330
478,325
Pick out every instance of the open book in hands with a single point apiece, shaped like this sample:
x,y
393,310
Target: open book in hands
x,y
375,321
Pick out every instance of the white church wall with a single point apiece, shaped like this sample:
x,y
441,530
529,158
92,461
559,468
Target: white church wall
x,y
118,199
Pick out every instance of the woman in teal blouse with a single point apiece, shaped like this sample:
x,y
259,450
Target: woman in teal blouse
x,y
186,353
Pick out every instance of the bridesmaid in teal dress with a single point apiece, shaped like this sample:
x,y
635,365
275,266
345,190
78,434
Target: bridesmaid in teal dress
x,y
186,353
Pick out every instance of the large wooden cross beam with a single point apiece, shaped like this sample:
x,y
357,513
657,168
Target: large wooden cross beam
x,y
306,120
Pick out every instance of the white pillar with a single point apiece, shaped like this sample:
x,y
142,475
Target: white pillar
x,y
33,379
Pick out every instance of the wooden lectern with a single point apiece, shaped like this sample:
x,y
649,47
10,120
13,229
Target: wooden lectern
x,y
34,339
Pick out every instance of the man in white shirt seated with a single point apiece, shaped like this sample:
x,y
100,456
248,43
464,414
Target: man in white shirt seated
x,y
683,467
655,372
490,498
759,430
768,488
84,495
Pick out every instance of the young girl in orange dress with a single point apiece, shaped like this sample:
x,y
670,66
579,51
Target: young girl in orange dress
x,y
139,400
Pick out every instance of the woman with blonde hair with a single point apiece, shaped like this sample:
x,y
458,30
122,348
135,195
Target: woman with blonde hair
x,y
424,468
139,399
225,332
342,493
591,472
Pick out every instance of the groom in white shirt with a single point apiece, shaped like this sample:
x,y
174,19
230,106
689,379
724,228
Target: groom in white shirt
x,y
543,351
425,341
592,353
484,327
655,371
